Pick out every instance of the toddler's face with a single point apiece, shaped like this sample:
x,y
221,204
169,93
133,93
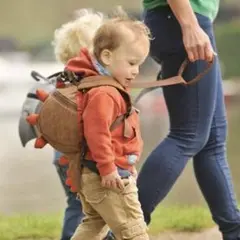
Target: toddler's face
x,y
124,62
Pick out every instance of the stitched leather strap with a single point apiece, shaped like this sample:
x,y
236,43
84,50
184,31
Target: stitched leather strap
x,y
105,80
173,80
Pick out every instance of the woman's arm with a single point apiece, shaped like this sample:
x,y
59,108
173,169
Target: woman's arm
x,y
196,41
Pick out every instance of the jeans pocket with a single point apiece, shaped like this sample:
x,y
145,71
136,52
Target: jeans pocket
x,y
95,197
130,199
129,185
92,188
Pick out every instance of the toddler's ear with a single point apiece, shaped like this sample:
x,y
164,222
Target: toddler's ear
x,y
106,57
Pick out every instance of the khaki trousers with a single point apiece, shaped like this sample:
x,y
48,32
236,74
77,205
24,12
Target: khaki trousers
x,y
117,209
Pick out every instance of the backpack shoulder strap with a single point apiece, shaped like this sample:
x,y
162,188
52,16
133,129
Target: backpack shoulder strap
x,y
96,81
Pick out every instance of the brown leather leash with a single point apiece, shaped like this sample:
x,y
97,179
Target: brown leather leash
x,y
146,85
172,80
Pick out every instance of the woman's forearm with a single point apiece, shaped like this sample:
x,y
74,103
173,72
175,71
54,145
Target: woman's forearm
x,y
183,12
195,40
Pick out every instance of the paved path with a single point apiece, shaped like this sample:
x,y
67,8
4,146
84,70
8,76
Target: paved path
x,y
210,234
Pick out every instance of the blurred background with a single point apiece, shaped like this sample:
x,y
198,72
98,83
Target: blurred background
x,y
28,179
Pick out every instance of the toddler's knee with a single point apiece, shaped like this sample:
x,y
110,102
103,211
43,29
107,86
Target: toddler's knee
x,y
134,230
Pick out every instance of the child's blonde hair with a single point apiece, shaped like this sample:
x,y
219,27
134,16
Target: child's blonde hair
x,y
74,35
111,33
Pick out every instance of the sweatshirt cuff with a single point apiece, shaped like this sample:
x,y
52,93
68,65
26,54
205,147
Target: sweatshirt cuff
x,y
106,169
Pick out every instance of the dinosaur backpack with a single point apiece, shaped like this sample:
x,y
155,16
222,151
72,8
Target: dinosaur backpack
x,y
58,120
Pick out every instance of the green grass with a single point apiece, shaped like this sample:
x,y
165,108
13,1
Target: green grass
x,y
29,227
180,219
48,226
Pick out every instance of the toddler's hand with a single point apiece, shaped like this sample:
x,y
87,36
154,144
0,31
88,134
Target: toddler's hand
x,y
112,180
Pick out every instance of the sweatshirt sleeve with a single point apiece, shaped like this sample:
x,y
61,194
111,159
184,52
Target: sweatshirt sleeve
x,y
98,115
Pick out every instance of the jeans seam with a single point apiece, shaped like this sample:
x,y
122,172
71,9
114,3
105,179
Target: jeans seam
x,y
219,165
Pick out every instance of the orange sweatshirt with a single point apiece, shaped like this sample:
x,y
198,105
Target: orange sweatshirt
x,y
103,105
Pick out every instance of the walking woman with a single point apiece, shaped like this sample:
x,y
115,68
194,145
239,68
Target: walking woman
x,y
198,126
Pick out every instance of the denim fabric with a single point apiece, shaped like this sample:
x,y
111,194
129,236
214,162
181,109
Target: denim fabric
x,y
198,128
73,212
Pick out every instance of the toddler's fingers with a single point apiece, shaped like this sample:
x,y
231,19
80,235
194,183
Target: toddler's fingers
x,y
120,183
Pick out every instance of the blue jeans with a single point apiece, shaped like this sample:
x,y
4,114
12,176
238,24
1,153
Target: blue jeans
x,y
73,212
198,128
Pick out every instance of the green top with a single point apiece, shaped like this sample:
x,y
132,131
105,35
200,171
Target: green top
x,y
208,8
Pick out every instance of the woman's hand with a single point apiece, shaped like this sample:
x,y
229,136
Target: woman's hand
x,y
195,40
197,44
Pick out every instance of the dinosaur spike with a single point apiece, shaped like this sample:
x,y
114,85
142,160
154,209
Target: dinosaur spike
x,y
60,84
63,161
42,95
40,142
68,172
32,119
68,182
73,189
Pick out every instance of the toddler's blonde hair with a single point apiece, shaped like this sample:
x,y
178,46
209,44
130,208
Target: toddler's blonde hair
x,y
76,34
110,34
